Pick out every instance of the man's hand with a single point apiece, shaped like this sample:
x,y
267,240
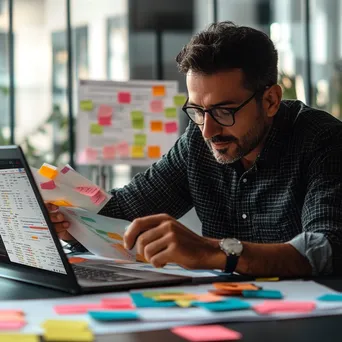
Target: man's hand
x,y
58,219
161,240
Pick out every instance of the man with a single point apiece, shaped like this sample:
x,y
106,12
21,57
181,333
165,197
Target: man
x,y
264,175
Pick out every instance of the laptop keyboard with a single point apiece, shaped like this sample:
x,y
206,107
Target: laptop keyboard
x,y
100,275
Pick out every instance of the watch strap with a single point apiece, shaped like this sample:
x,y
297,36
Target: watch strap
x,y
231,263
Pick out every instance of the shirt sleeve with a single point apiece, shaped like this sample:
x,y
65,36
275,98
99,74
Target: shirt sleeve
x,y
163,188
316,248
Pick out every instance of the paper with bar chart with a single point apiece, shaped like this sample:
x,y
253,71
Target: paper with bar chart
x,y
133,122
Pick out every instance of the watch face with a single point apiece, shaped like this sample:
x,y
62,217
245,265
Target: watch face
x,y
232,246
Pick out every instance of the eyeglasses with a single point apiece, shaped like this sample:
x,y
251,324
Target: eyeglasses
x,y
223,116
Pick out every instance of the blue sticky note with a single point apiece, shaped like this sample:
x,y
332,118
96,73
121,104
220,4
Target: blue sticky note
x,y
113,315
331,297
270,294
227,305
144,302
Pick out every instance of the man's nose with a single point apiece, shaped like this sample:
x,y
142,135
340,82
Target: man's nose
x,y
210,127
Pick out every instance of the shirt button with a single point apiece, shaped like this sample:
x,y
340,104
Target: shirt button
x,y
244,216
245,180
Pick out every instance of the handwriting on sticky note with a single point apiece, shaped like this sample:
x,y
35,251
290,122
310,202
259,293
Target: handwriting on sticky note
x,y
88,190
108,152
157,106
171,112
124,97
140,139
137,151
154,152
206,333
171,127
50,185
96,129
86,105
48,171
158,90
275,306
156,126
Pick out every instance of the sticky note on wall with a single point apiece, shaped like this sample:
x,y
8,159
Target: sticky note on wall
x,y
108,152
171,112
140,139
90,154
179,100
104,115
158,90
154,152
124,97
156,106
96,129
137,151
171,127
86,105
137,119
123,149
156,126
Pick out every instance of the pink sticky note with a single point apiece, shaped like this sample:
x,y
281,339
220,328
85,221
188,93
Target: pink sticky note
x,y
11,325
124,97
71,309
108,152
275,306
206,333
11,312
98,198
123,149
118,303
90,154
171,127
50,185
88,190
157,106
105,111
65,170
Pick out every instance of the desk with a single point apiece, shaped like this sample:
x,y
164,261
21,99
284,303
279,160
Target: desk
x,y
315,329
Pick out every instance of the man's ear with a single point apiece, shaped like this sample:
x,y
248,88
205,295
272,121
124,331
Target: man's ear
x,y
271,100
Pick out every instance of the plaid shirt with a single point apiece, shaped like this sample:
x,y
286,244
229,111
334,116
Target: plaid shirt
x,y
293,190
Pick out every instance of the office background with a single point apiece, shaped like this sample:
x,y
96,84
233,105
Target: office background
x,y
139,39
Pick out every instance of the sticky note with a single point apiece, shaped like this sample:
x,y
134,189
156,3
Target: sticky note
x,y
267,279
184,303
274,306
48,171
98,198
209,297
65,324
123,149
138,124
271,294
140,139
156,126
86,105
11,312
115,236
141,301
227,305
65,170
206,333
104,120
179,100
12,325
171,127
76,260
331,297
118,303
104,115
16,337
235,286
124,97
108,152
137,115
154,152
114,315
90,154
88,219
89,191
152,294
158,90
137,151
157,106
74,309
96,129
174,297
68,336
50,185
61,203
171,112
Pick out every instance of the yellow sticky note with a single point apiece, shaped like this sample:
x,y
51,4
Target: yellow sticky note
x,y
171,112
179,100
96,129
48,171
140,139
152,294
86,105
154,152
137,151
158,90
62,335
115,236
156,126
173,297
183,303
62,203
51,324
8,337
267,279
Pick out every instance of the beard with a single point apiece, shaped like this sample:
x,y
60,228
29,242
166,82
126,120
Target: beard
x,y
243,146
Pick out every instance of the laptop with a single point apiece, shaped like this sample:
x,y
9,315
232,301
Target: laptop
x,y
30,250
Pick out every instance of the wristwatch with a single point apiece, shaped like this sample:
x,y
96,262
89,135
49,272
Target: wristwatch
x,y
233,249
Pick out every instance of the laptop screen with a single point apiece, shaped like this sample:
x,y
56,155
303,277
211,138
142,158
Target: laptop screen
x,y
24,234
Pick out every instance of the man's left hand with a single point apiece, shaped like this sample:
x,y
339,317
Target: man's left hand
x,y
161,239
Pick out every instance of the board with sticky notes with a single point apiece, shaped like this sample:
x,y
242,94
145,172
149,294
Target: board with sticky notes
x,y
133,122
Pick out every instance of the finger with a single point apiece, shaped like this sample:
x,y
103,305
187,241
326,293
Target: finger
x,y
61,227
51,207
162,258
140,225
147,237
155,247
65,236
57,218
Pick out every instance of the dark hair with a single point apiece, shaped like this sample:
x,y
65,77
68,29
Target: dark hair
x,y
223,46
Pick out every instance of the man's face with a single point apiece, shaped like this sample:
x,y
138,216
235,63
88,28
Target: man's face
x,y
228,144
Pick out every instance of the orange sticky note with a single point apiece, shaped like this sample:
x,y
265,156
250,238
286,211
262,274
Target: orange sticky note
x,y
11,312
206,333
115,236
158,90
156,126
76,260
88,190
108,152
61,203
50,185
154,151
208,298
48,171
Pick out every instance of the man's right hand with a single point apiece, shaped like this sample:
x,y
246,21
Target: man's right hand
x,y
60,224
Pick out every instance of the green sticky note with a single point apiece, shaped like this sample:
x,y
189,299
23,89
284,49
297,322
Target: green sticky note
x,y
138,123
140,139
86,105
179,100
87,219
101,231
96,129
171,112
137,115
